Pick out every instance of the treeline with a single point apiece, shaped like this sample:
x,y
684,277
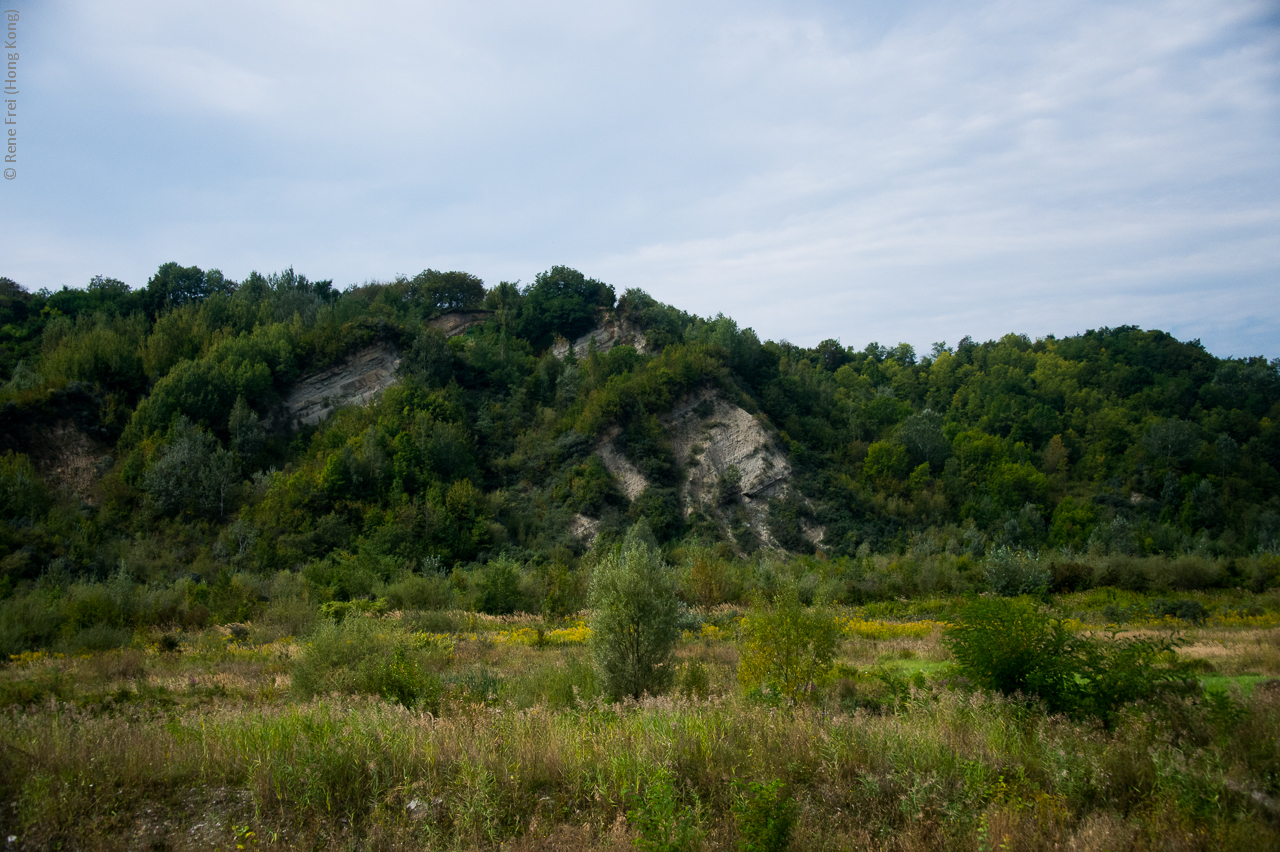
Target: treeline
x,y
1114,444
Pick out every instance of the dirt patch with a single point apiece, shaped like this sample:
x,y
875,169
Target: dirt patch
x,y
709,435
68,458
712,438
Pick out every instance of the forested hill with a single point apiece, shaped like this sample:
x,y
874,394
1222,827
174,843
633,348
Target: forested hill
x,y
148,432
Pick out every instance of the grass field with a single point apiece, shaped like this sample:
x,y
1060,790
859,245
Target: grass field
x,y
203,741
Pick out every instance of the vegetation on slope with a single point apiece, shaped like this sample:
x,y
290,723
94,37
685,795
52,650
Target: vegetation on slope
x,y
1116,457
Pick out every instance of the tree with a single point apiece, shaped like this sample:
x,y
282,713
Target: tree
x,y
831,355
175,285
922,435
886,464
1173,439
192,473
562,301
447,291
635,617
787,647
245,430
430,358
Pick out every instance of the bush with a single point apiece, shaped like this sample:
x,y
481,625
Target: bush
x,y
708,579
1185,610
372,656
765,815
1015,572
1013,647
98,637
337,611
499,588
420,592
635,617
787,647
1070,577
28,621
695,680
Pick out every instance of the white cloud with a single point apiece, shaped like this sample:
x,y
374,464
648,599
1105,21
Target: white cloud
x,y
918,171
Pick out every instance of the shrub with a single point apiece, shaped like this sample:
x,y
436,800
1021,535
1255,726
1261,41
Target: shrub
x,y
765,814
337,611
1070,577
787,647
1015,572
420,592
635,617
372,656
98,637
28,621
1185,610
1013,647
37,688
707,579
695,680
499,588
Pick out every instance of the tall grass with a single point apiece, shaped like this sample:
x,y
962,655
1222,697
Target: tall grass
x,y
948,769
202,743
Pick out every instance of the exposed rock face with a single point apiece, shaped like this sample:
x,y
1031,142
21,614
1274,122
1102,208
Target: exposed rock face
x,y
456,322
613,332
356,381
362,376
710,435
584,528
631,480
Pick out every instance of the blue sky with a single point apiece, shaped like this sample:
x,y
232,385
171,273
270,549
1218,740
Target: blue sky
x,y
909,171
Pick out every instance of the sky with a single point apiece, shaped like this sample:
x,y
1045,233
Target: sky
x,y
912,171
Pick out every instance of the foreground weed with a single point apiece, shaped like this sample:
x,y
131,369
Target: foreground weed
x,y
665,824
765,814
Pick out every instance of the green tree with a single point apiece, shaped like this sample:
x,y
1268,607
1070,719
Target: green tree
x,y
499,588
635,617
787,647
245,430
23,493
887,464
447,291
178,285
430,358
922,435
562,301
1173,440
193,473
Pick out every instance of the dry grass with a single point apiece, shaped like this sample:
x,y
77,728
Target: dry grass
x,y
204,750
1237,652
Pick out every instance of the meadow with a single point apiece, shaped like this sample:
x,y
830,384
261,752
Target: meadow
x,y
457,730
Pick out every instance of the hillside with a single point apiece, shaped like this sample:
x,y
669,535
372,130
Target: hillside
x,y
199,437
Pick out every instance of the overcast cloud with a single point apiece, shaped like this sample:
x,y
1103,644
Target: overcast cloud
x,y
911,171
